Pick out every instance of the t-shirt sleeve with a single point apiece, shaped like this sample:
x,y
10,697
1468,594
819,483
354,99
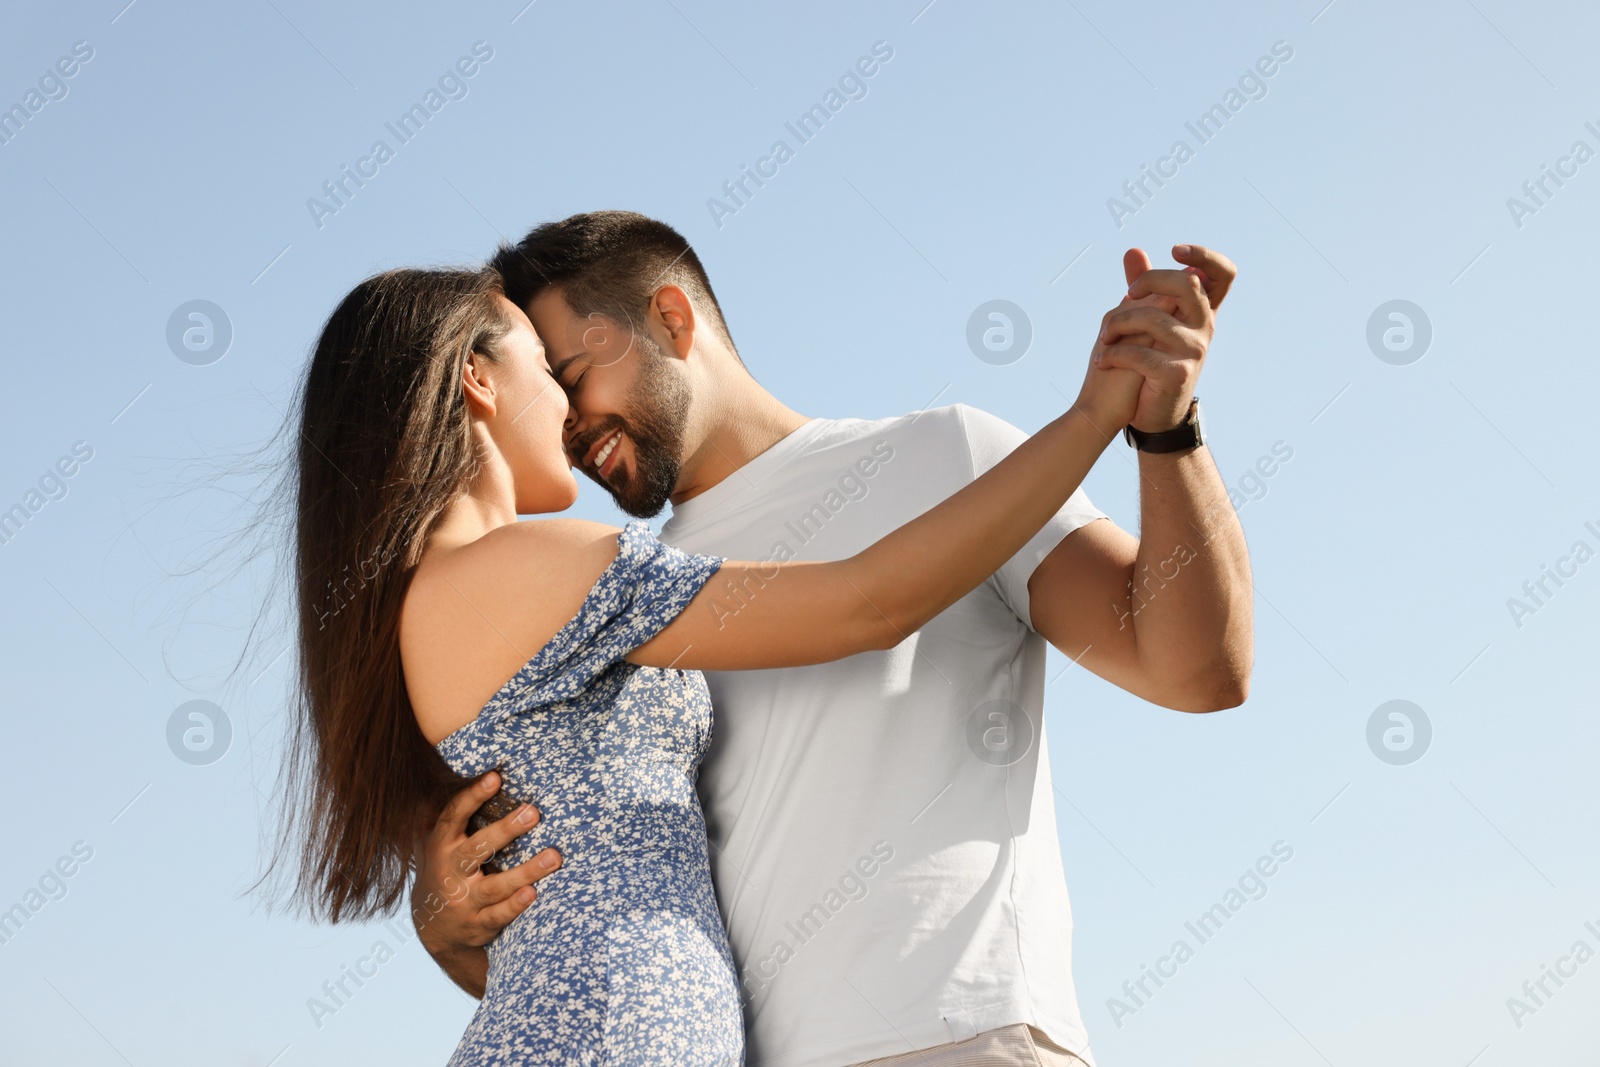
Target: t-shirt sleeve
x,y
989,440
644,589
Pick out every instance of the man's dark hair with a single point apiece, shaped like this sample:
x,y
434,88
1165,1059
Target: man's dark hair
x,y
606,262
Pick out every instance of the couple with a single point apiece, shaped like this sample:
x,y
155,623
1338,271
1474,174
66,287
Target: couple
x,y
855,859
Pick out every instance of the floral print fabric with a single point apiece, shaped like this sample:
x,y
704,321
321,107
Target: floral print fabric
x,y
622,959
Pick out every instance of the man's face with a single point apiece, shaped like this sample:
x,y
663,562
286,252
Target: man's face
x,y
629,402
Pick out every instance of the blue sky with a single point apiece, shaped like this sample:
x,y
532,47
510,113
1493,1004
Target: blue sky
x,y
1411,493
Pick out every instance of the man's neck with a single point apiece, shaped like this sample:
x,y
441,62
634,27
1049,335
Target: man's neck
x,y
747,424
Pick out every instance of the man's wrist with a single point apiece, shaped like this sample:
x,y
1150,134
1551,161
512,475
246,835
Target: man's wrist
x,y
453,954
467,967
1187,435
440,946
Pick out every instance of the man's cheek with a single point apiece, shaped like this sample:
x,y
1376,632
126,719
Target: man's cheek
x,y
605,397
604,343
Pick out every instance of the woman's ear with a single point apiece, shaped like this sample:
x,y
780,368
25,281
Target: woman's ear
x,y
477,385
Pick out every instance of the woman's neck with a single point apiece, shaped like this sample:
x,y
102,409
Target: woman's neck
x,y
488,504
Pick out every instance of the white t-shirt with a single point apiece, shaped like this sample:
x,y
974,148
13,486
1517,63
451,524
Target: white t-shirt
x,y
883,827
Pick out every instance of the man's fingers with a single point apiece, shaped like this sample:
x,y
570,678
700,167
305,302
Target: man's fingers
x,y
477,849
494,888
496,917
1217,270
1188,288
452,820
1134,263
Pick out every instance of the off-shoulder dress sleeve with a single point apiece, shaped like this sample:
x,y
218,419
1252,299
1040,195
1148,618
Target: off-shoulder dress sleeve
x,y
635,597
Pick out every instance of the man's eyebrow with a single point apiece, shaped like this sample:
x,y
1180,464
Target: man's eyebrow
x,y
559,366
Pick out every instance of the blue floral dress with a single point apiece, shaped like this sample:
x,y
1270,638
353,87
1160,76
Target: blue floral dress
x,y
623,959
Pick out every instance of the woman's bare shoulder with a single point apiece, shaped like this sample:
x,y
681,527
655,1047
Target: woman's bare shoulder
x,y
536,549
558,534
472,617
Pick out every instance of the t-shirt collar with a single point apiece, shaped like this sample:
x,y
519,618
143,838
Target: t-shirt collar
x,y
746,479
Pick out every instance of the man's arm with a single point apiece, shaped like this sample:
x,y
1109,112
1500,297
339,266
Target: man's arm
x,y
1166,616
456,908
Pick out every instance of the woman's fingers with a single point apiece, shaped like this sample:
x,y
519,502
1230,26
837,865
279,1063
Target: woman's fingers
x,y
1130,356
1134,263
1150,321
1169,304
1153,300
1194,308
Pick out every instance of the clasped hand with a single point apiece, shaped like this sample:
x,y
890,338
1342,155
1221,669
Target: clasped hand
x,y
1151,346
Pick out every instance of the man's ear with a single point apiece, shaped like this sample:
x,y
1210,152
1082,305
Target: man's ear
x,y
477,385
672,311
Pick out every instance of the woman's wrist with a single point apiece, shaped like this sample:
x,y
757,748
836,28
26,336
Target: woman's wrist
x,y
1098,426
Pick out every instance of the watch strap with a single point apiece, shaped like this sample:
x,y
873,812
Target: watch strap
x,y
1183,436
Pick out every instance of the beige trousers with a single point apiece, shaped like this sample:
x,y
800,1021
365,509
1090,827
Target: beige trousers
x,y
1019,1045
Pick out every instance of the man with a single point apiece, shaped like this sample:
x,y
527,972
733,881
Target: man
x,y
883,827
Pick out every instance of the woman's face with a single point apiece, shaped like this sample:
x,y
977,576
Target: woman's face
x,y
531,411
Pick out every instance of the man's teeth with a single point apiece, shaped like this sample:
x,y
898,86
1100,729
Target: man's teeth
x,y
601,457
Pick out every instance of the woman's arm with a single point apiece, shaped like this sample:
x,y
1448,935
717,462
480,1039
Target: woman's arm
x,y
796,613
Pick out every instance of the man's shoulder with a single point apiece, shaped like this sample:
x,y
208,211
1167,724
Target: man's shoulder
x,y
956,439
982,436
946,421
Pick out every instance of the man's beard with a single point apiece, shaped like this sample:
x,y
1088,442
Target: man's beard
x,y
658,409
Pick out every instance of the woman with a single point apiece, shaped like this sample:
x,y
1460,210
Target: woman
x,y
429,422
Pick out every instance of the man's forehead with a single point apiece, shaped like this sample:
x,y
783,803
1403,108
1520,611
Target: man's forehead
x,y
553,320
565,331
549,303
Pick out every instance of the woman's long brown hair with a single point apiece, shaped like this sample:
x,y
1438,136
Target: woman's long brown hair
x,y
384,445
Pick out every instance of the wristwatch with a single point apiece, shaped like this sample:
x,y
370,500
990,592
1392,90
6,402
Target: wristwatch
x,y
1190,433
